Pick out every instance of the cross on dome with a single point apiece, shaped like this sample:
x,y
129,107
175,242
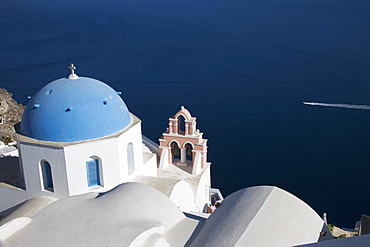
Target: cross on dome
x,y
72,76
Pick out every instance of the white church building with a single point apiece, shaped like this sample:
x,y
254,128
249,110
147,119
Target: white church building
x,y
78,136
87,176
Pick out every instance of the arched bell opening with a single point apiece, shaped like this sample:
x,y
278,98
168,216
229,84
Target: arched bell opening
x,y
181,125
189,153
175,152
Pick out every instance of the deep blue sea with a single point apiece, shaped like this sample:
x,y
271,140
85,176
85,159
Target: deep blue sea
x,y
242,67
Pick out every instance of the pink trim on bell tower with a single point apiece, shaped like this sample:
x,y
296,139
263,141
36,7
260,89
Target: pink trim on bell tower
x,y
183,147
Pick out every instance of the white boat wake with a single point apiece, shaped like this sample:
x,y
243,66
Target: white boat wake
x,y
362,107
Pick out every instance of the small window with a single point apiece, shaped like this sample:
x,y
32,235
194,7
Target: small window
x,y
93,176
47,178
130,158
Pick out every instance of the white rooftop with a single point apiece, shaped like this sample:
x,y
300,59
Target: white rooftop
x,y
132,213
262,216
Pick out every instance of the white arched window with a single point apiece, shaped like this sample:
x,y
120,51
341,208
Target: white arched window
x,y
47,178
130,158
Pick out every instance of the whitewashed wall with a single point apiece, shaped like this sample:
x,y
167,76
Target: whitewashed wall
x,y
31,154
76,156
12,196
68,163
203,196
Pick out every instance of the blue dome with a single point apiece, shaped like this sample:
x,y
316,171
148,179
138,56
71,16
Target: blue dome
x,y
69,110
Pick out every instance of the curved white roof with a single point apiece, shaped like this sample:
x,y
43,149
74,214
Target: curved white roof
x,y
179,191
131,213
134,214
260,216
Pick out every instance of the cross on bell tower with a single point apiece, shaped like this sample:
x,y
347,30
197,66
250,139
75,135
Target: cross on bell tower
x,y
72,76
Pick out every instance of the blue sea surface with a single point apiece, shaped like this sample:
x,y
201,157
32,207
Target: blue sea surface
x,y
243,68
